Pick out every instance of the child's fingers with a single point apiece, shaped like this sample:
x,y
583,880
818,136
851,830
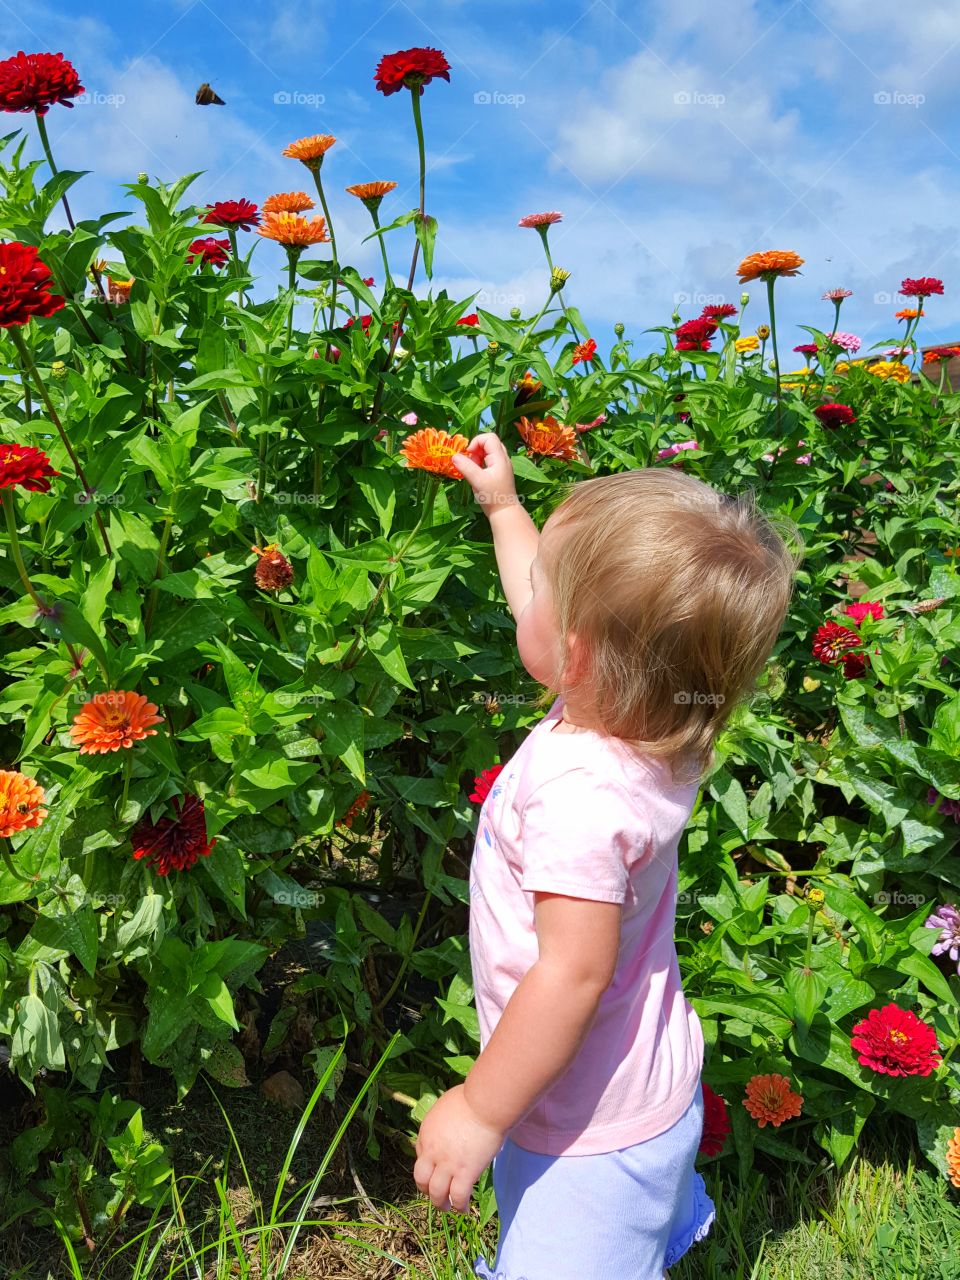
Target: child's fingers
x,y
467,467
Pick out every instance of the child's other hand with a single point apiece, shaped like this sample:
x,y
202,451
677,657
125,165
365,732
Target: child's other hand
x,y
453,1148
486,466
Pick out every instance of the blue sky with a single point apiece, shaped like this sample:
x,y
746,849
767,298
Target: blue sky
x,y
675,138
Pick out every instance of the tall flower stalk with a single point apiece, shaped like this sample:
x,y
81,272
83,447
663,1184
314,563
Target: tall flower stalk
x,y
767,267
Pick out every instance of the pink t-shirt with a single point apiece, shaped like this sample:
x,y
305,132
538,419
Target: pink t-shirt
x,y
577,814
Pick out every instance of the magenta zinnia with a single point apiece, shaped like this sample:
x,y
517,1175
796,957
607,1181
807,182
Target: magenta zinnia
x,y
174,844
695,335
832,641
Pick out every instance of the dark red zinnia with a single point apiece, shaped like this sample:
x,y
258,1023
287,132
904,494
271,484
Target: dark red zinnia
x,y
835,415
209,249
472,320
24,285
832,641
922,287
484,782
855,664
718,311
22,464
410,68
894,1042
35,81
242,214
695,335
716,1125
174,844
807,348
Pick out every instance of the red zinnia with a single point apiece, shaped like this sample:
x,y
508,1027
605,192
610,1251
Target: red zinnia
x,y
24,465
483,784
472,320
34,81
242,214
720,311
855,664
835,415
921,288
209,249
584,351
894,1042
860,610
174,844
807,348
410,68
832,640
24,285
716,1124
695,335
364,323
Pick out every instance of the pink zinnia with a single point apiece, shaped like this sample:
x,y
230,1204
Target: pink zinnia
x,y
673,449
837,295
848,341
540,219
587,426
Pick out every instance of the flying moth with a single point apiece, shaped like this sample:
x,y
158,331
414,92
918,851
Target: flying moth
x,y
206,96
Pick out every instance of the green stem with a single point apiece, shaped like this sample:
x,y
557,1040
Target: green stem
x,y
381,1004
31,368
281,629
4,853
811,925
293,252
776,355
7,501
418,121
45,143
235,256
333,248
164,543
387,278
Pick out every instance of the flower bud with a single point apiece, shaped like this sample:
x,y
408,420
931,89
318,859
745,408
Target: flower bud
x,y
515,313
618,329
763,332
815,897
493,348
58,369
744,299
558,278
675,317
143,177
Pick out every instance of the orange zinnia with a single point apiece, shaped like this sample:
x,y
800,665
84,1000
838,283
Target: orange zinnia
x,y
953,1158
775,262
548,437
20,801
113,720
293,231
908,313
119,290
310,150
770,1100
287,202
431,450
369,191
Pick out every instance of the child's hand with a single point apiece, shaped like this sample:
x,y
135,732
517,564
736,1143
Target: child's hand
x,y
486,465
453,1148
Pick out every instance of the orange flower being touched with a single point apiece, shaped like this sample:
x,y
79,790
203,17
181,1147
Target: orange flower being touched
x,y
291,230
287,202
770,1100
431,450
113,720
371,193
763,266
20,803
310,150
548,437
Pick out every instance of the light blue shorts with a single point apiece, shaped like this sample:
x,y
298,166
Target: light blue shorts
x,y
628,1213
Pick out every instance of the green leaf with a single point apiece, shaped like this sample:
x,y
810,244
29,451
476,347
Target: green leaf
x,y
426,231
217,994
383,643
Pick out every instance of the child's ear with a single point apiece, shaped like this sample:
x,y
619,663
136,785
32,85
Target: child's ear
x,y
575,668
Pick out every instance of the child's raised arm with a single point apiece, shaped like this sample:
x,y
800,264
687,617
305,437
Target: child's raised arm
x,y
487,467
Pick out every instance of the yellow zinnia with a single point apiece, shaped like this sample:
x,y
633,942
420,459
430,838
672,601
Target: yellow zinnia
x,y
749,343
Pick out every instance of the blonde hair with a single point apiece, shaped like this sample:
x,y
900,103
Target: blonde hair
x,y
677,593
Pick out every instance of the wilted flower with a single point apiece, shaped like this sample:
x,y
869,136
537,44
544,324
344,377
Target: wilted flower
x,y
288,202
431,450
21,801
411,69
113,719
273,571
37,81
359,805
767,266
548,437
209,250
526,389
894,1042
770,1100
25,285
118,291
241,214
26,466
588,426
174,844
310,150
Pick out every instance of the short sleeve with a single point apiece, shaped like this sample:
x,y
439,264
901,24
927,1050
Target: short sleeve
x,y
581,834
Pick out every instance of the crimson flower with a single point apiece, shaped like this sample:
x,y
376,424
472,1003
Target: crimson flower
x,y
24,285
922,287
483,784
22,464
411,69
364,323
718,311
473,320
832,640
835,415
862,609
209,249
584,351
174,844
242,214
716,1125
855,664
35,81
894,1042
807,348
695,335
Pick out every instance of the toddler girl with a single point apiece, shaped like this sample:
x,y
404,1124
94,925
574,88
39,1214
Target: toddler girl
x,y
649,603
